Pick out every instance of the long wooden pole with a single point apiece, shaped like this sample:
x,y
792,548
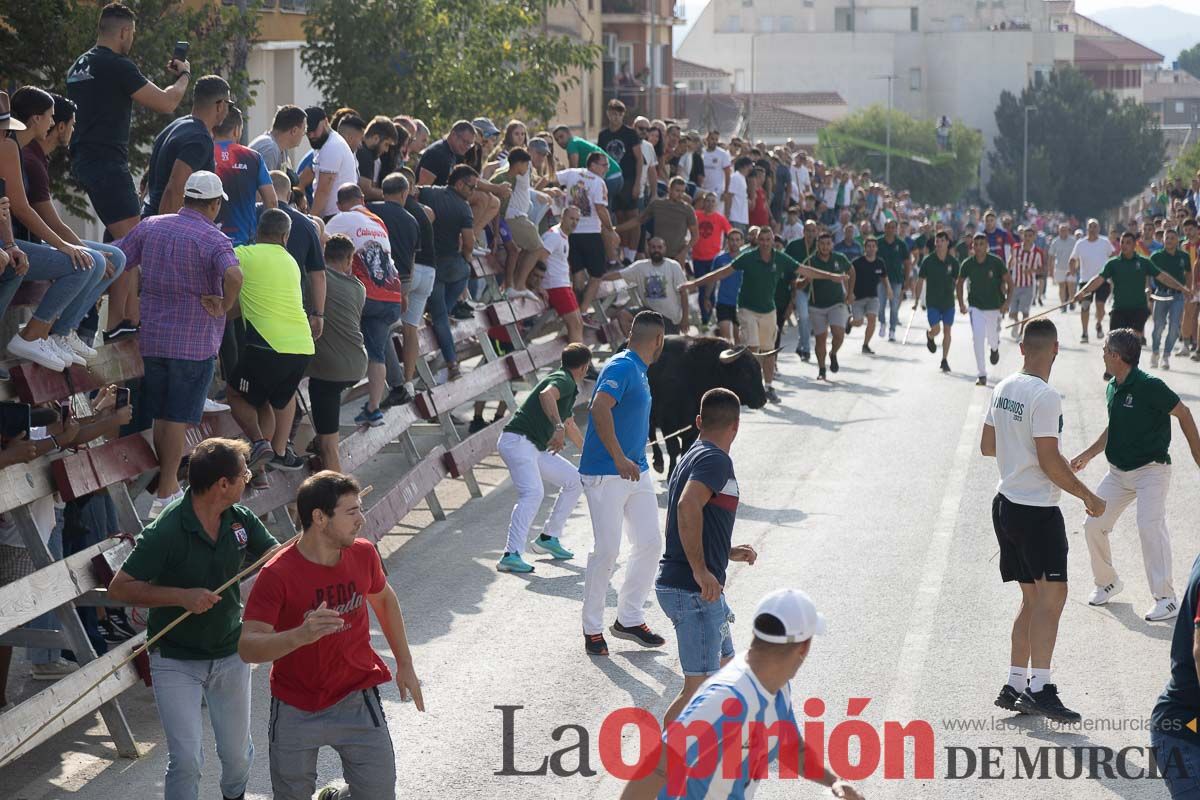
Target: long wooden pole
x,y
1038,315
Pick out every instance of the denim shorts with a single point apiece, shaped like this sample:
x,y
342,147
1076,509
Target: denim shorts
x,y
417,289
702,628
378,317
174,389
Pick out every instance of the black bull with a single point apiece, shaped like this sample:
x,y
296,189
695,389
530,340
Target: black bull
x,y
688,367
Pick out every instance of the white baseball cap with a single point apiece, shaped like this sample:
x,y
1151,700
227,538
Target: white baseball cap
x,y
204,185
795,609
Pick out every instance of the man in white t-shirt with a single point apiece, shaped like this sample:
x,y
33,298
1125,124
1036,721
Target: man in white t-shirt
x,y
1059,251
1088,257
801,180
737,201
718,165
648,185
556,284
586,190
657,280
333,165
1022,430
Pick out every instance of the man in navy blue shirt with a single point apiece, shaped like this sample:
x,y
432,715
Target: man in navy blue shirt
x,y
1173,722
619,489
702,500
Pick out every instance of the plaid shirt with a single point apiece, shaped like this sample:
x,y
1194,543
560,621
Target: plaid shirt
x,y
1025,265
182,256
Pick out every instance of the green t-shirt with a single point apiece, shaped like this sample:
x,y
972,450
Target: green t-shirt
x,y
1128,278
894,255
759,278
962,250
583,148
175,550
985,289
798,250
271,298
825,293
1139,421
940,277
531,421
1176,264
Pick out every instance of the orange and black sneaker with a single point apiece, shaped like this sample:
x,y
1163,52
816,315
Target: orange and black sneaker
x,y
638,633
594,644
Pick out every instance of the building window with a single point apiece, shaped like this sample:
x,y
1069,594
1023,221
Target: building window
x,y
787,23
695,86
733,24
915,19
843,19
766,24
625,60
1179,106
914,79
739,80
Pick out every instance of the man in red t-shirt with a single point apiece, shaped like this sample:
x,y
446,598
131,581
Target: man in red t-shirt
x,y
713,227
307,615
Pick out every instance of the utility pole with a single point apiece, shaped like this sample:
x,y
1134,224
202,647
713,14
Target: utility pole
x,y
887,168
1025,161
750,115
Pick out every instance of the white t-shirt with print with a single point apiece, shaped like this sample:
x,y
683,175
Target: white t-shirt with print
x,y
658,285
715,162
585,190
739,207
558,268
1023,408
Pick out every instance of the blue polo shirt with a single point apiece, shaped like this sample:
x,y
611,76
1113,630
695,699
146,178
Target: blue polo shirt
x,y
623,377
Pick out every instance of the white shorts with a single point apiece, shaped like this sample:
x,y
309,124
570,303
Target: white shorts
x,y
757,330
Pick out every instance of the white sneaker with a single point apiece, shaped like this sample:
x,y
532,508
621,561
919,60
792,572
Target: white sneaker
x,y
213,407
160,503
65,352
1163,608
1153,360
58,668
80,346
38,351
1166,362
1102,594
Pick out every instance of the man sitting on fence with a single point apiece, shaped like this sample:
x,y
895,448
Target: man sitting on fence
x,y
194,547
530,448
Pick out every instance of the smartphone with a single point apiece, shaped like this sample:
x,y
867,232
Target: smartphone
x,y
14,420
181,51
122,397
3,188
64,412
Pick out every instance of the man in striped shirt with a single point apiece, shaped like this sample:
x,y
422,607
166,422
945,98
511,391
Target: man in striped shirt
x,y
1026,265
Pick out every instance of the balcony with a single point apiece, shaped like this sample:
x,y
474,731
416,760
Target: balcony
x,y
655,102
665,13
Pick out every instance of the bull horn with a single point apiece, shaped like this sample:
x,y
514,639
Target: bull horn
x,y
732,354
768,353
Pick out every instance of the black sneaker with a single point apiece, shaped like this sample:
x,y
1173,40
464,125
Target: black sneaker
x,y
821,374
594,644
1099,329
945,367
288,462
805,355
995,357
120,622
849,325
1007,699
396,397
799,351
477,424
638,633
1046,703
1083,339
111,633
930,345
833,363
867,351
462,311
120,330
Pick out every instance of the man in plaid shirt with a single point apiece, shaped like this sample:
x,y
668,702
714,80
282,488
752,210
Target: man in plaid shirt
x,y
1026,264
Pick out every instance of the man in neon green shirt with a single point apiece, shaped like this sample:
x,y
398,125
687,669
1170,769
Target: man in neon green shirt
x,y
277,348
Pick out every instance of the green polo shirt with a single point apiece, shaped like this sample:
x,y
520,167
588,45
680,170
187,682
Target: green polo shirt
x,y
894,254
985,282
531,421
759,277
174,550
1176,264
1128,278
798,251
1139,421
825,293
940,277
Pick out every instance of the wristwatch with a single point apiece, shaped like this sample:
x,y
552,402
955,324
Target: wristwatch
x,y
560,426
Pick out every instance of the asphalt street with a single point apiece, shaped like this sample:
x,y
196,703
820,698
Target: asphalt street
x,y
869,493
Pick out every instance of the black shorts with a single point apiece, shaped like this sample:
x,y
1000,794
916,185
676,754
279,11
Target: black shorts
x,y
624,199
727,313
264,376
109,185
325,404
587,253
1128,318
1033,541
1103,292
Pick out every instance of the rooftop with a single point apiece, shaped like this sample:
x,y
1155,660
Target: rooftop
x,y
1116,49
689,70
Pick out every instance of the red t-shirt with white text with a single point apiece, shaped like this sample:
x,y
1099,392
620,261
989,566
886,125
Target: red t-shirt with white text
x,y
316,676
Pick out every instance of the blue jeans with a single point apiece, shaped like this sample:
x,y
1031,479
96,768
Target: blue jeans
x,y
47,621
802,326
87,298
48,264
1165,310
701,268
178,688
701,628
889,311
1178,762
444,296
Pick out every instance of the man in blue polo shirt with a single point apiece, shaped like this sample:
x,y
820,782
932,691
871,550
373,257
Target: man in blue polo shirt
x,y
618,486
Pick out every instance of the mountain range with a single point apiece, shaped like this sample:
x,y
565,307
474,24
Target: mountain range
x,y
1160,28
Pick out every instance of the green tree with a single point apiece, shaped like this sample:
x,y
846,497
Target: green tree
x,y
40,40
1187,165
946,180
1189,60
441,60
1088,151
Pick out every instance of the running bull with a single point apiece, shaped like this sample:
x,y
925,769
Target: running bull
x,y
688,367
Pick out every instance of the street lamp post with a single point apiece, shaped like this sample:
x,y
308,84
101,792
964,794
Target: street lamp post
x,y
887,164
1025,161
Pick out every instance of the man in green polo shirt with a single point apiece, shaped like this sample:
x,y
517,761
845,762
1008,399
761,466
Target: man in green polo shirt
x,y
894,252
194,546
761,267
827,308
991,286
1168,303
938,274
1136,443
530,445
578,150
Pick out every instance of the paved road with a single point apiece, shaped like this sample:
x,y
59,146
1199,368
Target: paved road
x,y
869,493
